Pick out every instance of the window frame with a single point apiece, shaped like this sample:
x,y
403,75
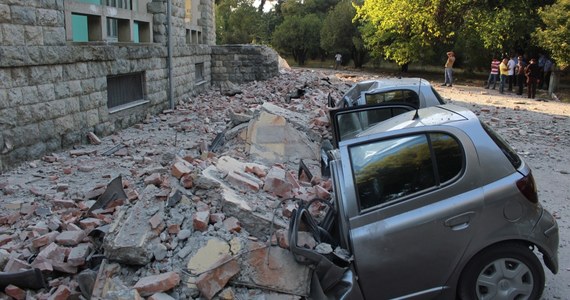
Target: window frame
x,y
370,98
433,159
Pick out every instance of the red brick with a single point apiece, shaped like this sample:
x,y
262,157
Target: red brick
x,y
288,208
275,183
214,280
321,121
242,182
10,219
90,223
15,265
217,217
173,228
93,138
281,238
15,292
62,293
149,285
5,239
257,171
201,206
62,203
187,181
321,192
154,178
44,239
292,180
70,238
200,220
232,224
179,169
78,254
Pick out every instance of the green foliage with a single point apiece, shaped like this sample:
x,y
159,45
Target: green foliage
x,y
297,36
339,34
399,30
301,8
555,36
239,22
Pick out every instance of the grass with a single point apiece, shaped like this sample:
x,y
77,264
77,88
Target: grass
x,y
435,75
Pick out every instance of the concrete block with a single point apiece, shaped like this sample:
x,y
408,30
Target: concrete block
x,y
129,236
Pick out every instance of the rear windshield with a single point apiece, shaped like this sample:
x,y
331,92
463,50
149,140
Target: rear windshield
x,y
509,152
438,96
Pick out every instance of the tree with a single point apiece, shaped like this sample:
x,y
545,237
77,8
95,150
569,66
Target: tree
x,y
298,36
555,35
239,22
340,34
400,30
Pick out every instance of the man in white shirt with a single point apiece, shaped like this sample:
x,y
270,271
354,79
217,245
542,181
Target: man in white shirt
x,y
338,60
511,75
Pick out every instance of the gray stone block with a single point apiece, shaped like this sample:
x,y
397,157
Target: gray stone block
x,y
23,15
47,131
5,16
50,17
54,36
46,92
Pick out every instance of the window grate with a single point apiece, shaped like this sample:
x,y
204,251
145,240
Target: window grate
x,y
124,89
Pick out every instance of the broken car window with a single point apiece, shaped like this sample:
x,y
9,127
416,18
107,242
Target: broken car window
x,y
388,170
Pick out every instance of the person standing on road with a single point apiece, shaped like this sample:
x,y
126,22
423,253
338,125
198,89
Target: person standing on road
x,y
494,75
511,73
449,69
547,72
532,72
519,73
504,70
338,60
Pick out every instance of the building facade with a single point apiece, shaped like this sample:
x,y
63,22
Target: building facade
x,y
70,67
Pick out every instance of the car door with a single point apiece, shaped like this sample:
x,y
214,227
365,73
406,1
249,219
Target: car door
x,y
409,212
348,122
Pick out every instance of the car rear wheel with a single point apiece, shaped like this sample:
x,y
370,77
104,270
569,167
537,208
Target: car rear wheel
x,y
508,271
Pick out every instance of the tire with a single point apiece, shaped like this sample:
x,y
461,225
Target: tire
x,y
507,271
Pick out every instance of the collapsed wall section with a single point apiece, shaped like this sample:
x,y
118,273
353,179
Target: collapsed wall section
x,y
243,63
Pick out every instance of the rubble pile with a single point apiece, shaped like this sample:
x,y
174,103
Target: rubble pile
x,y
192,203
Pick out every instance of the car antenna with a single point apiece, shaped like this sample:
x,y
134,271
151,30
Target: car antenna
x,y
416,115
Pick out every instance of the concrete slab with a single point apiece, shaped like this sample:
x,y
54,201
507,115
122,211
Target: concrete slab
x,y
128,239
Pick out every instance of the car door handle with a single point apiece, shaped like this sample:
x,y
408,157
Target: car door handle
x,y
459,222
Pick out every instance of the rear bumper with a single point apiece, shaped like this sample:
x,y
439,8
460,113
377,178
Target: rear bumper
x,y
547,239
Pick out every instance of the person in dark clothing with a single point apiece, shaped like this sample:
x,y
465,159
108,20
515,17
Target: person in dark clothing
x,y
519,73
532,72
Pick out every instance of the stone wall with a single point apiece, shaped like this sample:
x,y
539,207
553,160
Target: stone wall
x,y
53,91
243,63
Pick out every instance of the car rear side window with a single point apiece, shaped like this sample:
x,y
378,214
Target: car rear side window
x,y
511,154
403,96
388,170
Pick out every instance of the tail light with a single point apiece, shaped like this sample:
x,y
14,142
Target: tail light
x,y
527,187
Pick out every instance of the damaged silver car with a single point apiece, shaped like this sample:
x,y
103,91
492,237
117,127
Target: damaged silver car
x,y
429,204
400,94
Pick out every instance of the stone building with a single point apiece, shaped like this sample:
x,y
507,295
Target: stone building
x,y
70,67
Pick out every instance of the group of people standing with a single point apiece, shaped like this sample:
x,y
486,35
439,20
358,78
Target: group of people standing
x,y
514,71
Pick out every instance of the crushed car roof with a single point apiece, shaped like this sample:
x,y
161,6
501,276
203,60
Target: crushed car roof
x,y
429,116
